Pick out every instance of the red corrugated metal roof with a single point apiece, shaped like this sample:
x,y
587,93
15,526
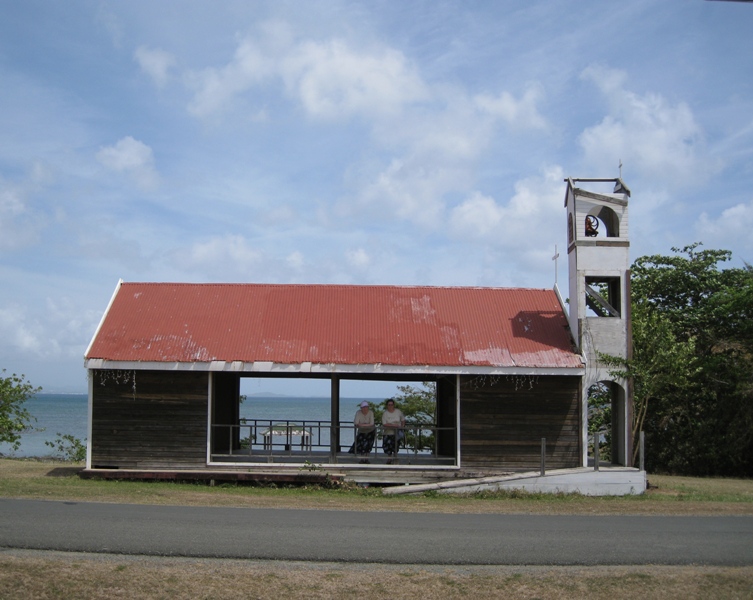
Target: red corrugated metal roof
x,y
335,324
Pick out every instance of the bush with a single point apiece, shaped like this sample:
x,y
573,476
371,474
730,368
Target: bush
x,y
69,447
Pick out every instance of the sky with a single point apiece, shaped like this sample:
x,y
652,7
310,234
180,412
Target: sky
x,y
344,142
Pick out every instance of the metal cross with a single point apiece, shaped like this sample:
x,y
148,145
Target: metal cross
x,y
554,258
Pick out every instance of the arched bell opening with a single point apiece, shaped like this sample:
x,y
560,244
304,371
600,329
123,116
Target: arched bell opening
x,y
602,221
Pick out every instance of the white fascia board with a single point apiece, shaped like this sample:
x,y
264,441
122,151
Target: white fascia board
x,y
365,369
104,316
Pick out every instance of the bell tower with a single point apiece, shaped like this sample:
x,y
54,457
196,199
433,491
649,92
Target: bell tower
x,y
599,287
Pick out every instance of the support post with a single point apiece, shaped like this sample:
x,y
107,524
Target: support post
x,y
596,451
334,435
543,456
641,451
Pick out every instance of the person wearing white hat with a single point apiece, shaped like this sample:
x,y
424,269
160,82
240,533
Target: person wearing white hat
x,y
365,431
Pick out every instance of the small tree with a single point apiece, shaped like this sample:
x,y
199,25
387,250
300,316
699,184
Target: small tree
x,y
14,418
69,447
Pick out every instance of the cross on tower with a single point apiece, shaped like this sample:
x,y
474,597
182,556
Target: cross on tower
x,y
554,258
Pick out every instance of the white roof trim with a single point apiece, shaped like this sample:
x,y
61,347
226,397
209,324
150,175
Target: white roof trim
x,y
307,367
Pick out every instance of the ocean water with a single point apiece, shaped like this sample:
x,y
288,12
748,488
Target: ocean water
x,y
66,414
54,413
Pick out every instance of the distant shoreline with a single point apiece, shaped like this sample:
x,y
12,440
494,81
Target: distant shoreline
x,y
254,395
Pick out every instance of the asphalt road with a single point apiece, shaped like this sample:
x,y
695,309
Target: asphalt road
x,y
380,537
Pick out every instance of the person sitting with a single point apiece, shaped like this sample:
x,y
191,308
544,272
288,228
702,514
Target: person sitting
x,y
365,431
393,422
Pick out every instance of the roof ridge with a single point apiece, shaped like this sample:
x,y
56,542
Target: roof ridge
x,y
331,285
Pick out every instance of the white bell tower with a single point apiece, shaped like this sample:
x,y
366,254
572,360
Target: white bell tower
x,y
599,310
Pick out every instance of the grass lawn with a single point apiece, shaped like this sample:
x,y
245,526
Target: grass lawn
x,y
30,574
54,480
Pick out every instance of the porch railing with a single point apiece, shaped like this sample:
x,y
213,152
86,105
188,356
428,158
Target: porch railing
x,y
301,438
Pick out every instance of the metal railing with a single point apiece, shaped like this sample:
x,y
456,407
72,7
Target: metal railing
x,y
305,438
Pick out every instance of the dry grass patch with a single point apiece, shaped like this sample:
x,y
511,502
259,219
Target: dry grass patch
x,y
60,575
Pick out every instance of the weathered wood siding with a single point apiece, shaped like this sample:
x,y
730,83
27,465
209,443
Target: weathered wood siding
x,y
157,421
502,421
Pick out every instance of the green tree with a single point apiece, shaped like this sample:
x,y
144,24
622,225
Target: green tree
x,y
663,371
692,365
14,418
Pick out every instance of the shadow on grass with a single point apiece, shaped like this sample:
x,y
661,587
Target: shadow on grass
x,y
64,471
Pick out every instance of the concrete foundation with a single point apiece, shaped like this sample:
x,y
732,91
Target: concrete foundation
x,y
607,481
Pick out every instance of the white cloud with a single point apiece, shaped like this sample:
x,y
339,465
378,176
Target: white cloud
x,y
330,79
230,247
20,335
132,157
358,258
409,189
732,226
156,63
533,214
425,140
18,226
10,201
478,215
436,155
652,137
70,325
520,114
60,330
217,87
229,256
295,260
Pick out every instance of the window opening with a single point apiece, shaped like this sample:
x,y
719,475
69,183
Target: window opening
x,y
603,296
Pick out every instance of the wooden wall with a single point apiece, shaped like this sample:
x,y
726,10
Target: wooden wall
x,y
502,421
157,420
447,416
225,411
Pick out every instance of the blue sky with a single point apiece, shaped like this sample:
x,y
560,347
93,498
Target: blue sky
x,y
375,142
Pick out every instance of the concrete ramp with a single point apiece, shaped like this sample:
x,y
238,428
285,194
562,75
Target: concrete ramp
x,y
607,481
